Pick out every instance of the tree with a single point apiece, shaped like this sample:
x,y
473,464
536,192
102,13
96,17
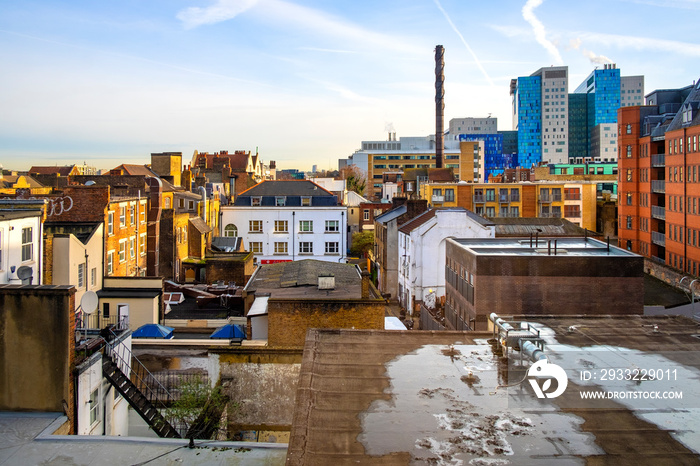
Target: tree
x,y
362,243
355,179
199,407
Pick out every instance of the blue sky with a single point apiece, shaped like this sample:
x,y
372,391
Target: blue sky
x,y
303,81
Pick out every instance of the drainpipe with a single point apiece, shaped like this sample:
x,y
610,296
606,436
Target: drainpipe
x,y
342,234
293,230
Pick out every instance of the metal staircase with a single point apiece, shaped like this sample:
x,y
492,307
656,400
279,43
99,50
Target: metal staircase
x,y
142,390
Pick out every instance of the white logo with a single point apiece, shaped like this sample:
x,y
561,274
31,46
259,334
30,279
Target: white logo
x,y
543,369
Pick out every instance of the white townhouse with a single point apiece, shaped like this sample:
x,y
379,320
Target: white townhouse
x,y
288,220
422,251
21,241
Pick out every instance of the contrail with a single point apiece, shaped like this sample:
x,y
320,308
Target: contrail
x,y
538,29
454,28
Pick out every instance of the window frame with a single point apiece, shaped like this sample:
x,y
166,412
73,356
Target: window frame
x,y
306,226
281,247
332,226
258,224
27,244
306,247
332,245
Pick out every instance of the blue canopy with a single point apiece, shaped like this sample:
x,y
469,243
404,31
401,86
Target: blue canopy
x,y
153,331
229,331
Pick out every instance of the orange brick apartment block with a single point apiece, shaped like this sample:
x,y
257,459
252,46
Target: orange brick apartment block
x,y
659,187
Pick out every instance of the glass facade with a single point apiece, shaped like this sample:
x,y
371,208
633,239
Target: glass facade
x,y
529,108
602,91
578,126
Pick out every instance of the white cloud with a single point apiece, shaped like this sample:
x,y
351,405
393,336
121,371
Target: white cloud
x,y
642,43
539,30
222,10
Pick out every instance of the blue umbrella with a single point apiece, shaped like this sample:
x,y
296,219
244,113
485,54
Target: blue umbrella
x,y
229,331
153,331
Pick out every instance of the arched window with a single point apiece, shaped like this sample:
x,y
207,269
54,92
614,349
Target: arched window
x,y
166,203
231,230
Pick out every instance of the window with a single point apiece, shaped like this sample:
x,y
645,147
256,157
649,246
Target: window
x,y
365,215
280,201
81,275
142,213
256,201
132,217
629,174
255,226
306,201
629,129
166,203
181,203
629,198
110,223
27,244
437,192
629,151
306,226
122,216
332,248
572,194
514,195
0,249
490,196
281,226
332,226
132,247
490,211
93,276
449,195
105,310
110,262
572,211
122,250
629,222
255,247
556,211
280,247
94,406
142,244
231,230
306,247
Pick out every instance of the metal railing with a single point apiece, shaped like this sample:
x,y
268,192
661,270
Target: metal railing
x,y
145,381
658,212
658,160
97,320
658,186
658,238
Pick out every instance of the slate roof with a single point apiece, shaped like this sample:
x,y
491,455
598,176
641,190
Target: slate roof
x,y
299,280
292,190
390,215
525,226
130,169
48,170
693,101
423,218
226,243
200,225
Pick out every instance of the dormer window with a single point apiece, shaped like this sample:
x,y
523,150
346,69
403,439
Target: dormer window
x,y
256,201
280,201
306,201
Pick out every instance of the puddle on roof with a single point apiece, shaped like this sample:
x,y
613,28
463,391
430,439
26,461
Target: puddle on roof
x,y
446,409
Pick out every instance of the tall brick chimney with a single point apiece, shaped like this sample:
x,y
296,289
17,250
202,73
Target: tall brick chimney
x,y
365,284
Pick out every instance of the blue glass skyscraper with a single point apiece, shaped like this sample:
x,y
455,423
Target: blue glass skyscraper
x,y
528,100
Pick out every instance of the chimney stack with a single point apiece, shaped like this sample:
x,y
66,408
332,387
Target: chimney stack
x,y
439,104
365,284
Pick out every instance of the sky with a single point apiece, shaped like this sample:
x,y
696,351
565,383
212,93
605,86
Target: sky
x,y
302,82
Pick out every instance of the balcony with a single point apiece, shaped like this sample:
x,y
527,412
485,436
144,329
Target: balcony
x,y
439,199
503,199
658,186
658,160
658,212
545,199
658,238
478,199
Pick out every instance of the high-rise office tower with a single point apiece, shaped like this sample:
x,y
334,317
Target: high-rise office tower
x,y
540,115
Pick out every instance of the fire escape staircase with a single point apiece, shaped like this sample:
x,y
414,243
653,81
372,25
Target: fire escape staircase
x,y
145,398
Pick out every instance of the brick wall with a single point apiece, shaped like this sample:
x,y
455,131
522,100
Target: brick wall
x,y
231,267
47,262
37,348
289,320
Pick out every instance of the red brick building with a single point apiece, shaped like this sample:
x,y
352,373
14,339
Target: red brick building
x,y
659,187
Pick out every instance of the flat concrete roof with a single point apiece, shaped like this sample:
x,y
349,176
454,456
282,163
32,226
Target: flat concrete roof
x,y
26,438
526,246
406,397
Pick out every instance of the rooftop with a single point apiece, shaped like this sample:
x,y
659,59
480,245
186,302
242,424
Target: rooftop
x,y
299,280
579,246
525,226
404,397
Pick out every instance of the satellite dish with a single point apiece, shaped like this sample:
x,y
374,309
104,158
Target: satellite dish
x,y
89,302
25,273
89,183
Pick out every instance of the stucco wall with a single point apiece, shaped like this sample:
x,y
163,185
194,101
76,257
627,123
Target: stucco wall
x,y
37,348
